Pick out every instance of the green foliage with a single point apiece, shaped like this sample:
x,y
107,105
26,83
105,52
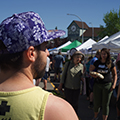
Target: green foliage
x,y
112,23
58,94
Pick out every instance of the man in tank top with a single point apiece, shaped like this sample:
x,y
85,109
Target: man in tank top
x,y
23,41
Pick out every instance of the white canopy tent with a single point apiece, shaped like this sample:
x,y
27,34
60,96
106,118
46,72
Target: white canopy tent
x,y
85,46
94,46
65,44
55,51
114,45
105,43
106,37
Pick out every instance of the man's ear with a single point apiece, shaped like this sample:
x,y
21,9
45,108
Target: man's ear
x,y
31,53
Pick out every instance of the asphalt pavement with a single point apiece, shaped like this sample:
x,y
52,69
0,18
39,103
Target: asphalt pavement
x,y
84,112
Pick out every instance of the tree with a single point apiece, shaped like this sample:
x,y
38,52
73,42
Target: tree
x,y
112,23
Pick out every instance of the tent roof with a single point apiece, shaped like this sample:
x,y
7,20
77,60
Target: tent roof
x,y
74,44
51,49
104,43
86,45
114,45
56,50
106,37
65,44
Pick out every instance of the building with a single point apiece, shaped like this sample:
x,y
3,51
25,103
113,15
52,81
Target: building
x,y
76,29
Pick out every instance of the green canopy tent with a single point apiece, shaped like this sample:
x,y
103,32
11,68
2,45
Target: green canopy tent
x,y
74,44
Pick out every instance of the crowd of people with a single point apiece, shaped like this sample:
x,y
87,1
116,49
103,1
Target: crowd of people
x,y
24,57
98,90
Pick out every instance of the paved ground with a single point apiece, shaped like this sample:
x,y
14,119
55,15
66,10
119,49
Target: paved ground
x,y
87,114
84,112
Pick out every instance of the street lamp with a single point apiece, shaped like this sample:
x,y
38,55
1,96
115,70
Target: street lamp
x,y
92,30
82,25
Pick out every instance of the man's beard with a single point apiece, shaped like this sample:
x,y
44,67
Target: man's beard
x,y
36,68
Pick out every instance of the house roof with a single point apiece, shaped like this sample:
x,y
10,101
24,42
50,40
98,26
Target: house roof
x,y
88,32
79,23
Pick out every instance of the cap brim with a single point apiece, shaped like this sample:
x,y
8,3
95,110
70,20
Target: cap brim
x,y
52,34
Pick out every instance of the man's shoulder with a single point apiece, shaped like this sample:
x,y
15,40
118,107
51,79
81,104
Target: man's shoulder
x,y
80,64
59,57
60,109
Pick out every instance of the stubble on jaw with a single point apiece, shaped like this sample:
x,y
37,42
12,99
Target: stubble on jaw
x,y
38,67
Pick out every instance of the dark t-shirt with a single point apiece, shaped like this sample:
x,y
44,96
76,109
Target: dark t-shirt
x,y
104,70
59,59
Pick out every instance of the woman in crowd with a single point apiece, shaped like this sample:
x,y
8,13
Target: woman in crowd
x,y
71,77
118,87
102,89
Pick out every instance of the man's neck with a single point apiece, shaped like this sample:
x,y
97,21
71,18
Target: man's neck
x,y
15,80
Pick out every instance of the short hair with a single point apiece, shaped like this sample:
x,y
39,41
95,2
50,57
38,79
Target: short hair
x,y
12,61
98,52
59,53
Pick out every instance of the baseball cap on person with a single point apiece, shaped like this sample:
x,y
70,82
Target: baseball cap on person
x,y
23,30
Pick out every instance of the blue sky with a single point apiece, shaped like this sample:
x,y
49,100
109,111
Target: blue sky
x,y
54,12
